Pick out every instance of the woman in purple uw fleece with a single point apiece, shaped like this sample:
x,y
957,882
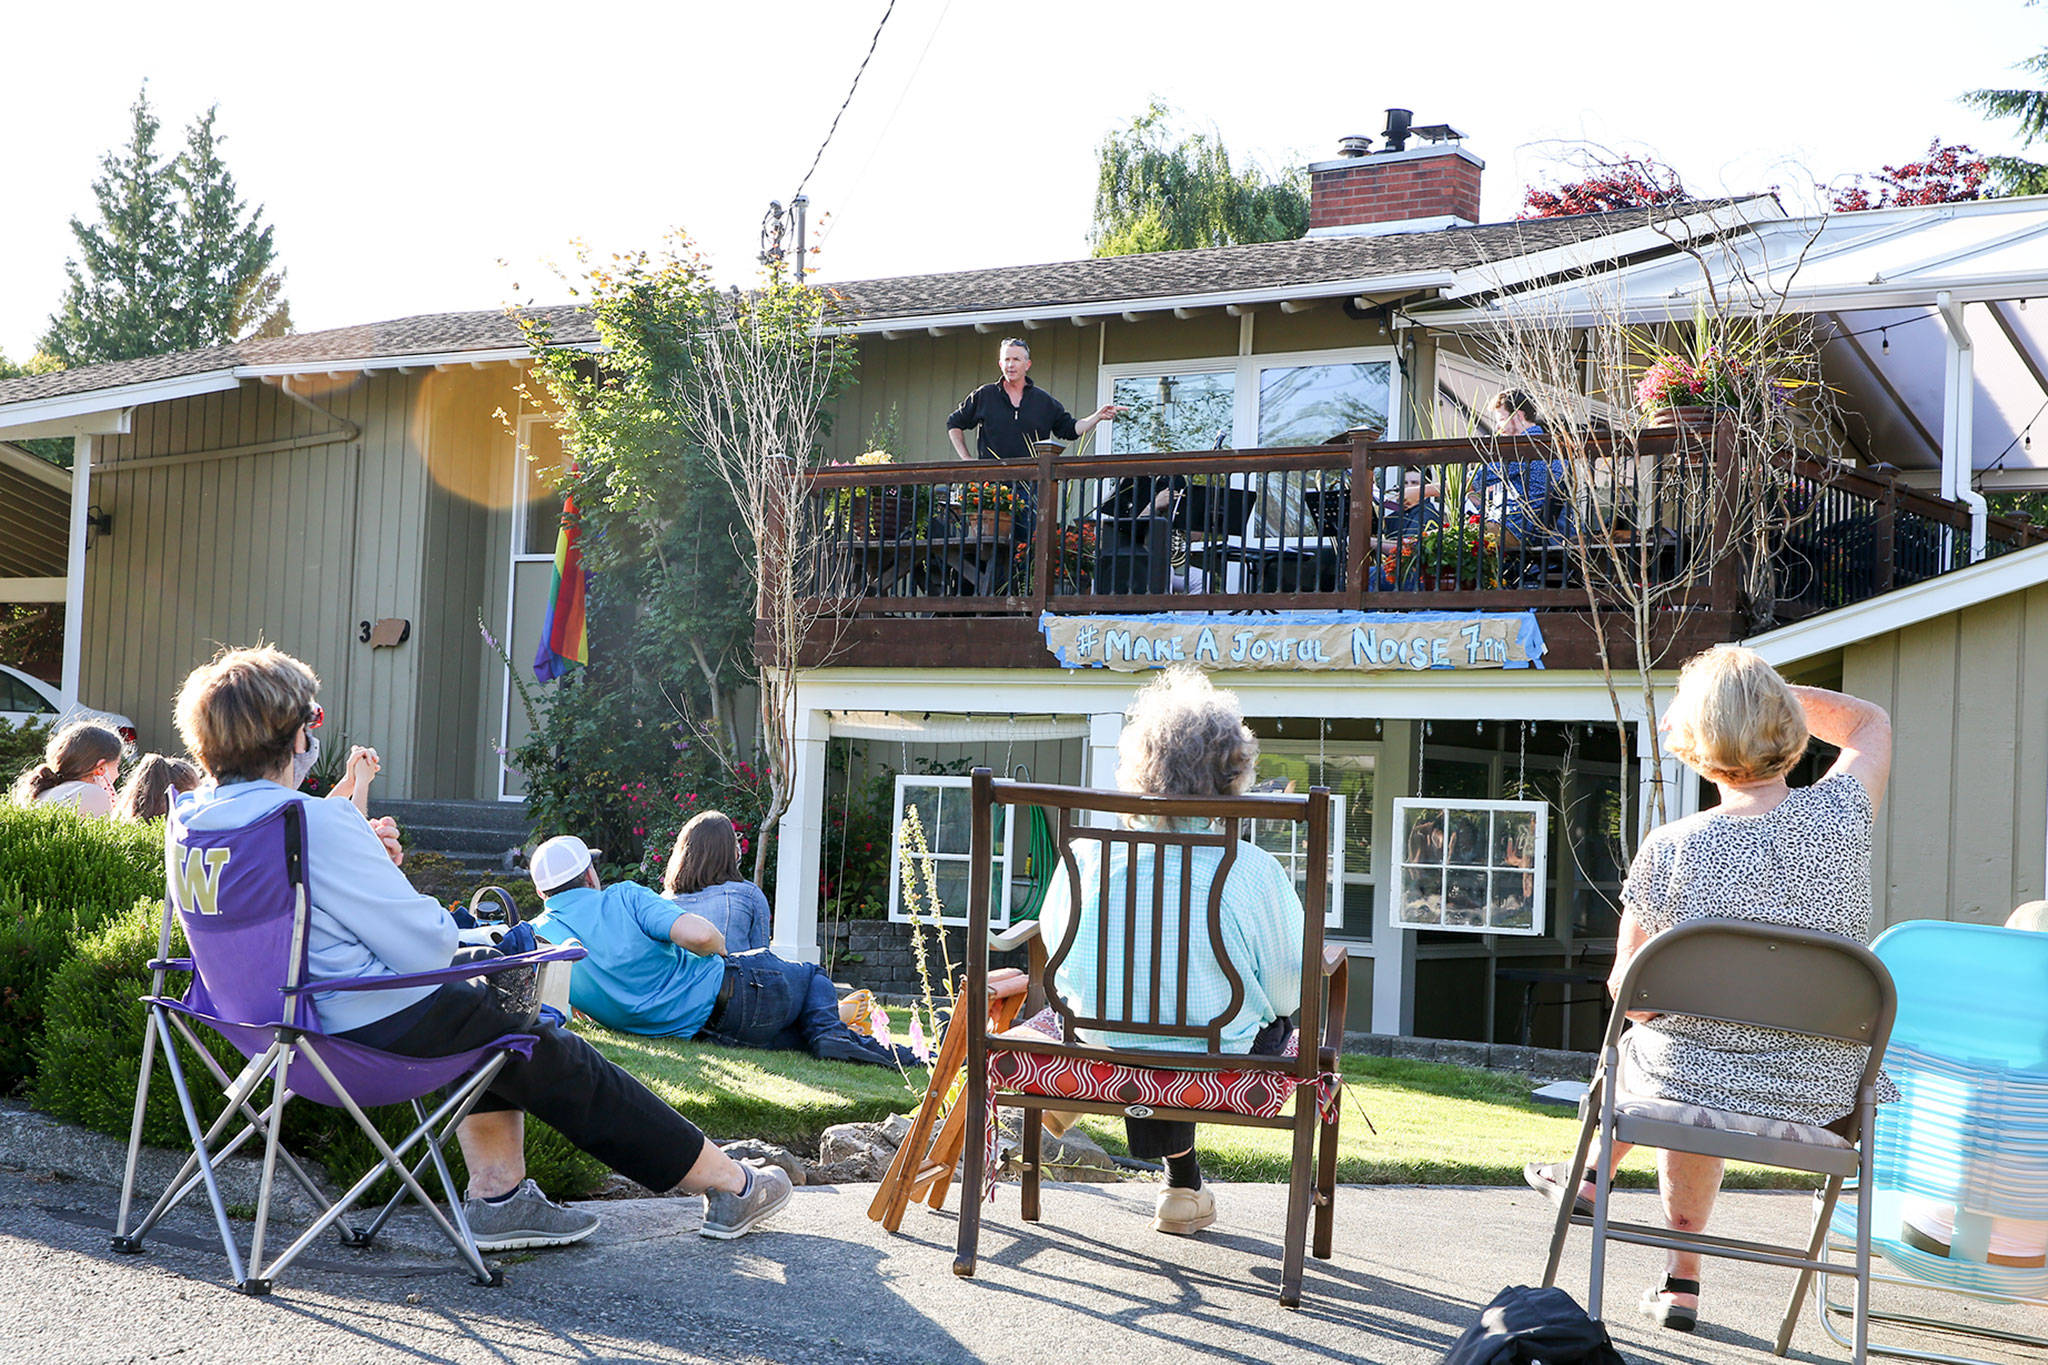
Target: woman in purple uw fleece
x,y
249,717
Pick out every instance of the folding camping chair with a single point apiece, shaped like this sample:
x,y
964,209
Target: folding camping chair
x,y
239,895
1968,1139
1204,1084
1739,971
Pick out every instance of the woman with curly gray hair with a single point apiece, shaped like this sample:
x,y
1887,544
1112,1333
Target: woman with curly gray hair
x,y
1184,737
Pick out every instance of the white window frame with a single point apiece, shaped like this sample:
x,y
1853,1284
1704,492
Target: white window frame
x,y
1244,417
527,421
1333,907
999,873
1539,913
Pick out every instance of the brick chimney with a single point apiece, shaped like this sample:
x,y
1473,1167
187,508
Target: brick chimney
x,y
1397,189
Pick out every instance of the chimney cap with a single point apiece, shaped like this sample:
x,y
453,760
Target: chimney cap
x,y
1355,144
1438,132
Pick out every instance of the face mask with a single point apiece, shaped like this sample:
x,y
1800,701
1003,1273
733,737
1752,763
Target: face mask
x,y
302,764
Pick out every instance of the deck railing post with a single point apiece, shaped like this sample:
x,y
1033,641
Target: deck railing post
x,y
1048,529
1724,581
1888,536
1358,535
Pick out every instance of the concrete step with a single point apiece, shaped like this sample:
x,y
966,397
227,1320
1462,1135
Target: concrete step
x,y
505,816
457,839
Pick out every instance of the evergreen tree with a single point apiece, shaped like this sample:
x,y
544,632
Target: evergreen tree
x,y
175,260
2029,108
1155,193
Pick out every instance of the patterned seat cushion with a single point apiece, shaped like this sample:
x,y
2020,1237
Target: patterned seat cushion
x,y
1724,1121
1260,1093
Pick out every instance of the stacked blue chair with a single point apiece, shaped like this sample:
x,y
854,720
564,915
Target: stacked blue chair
x,y
239,896
1969,1138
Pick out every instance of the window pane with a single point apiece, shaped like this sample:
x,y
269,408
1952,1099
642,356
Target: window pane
x,y
1173,412
540,521
1423,836
1308,404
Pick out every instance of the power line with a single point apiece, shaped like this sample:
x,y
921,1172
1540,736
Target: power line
x,y
872,44
860,176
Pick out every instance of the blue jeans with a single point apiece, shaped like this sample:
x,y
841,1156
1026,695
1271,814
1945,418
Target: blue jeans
x,y
792,1005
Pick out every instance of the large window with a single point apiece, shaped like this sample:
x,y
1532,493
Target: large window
x,y
1299,398
537,503
1173,412
945,808
1296,766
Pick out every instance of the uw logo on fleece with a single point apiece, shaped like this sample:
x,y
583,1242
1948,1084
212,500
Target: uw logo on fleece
x,y
198,879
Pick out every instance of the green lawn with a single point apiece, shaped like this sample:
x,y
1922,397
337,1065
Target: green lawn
x,y
1437,1124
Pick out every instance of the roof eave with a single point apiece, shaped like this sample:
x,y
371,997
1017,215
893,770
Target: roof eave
x,y
1425,281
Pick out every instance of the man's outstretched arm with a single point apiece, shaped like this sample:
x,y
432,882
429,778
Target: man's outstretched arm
x,y
695,934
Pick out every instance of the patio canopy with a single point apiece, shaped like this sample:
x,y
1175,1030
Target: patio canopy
x,y
1901,295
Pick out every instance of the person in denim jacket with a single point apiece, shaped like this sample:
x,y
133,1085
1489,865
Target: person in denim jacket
x,y
703,879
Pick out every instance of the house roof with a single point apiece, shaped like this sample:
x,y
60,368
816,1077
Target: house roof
x,y
428,334
1388,263
1302,264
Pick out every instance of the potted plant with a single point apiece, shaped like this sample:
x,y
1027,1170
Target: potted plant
x,y
990,507
1073,558
1456,554
883,513
1740,366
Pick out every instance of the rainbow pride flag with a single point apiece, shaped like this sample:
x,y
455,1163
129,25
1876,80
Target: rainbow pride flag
x,y
565,634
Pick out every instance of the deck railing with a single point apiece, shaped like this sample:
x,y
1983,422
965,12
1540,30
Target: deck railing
x,y
1324,527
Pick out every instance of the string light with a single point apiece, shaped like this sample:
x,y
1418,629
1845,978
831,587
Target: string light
x,y
1885,342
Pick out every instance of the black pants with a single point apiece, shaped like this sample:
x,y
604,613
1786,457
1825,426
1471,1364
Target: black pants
x,y
566,1083
1157,1139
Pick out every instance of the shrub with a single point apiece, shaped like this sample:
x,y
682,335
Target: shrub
x,y
91,1051
96,867
21,748
33,942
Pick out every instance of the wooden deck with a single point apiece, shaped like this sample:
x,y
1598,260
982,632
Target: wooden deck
x,y
952,565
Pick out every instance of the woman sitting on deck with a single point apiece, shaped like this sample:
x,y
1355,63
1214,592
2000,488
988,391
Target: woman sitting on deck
x,y
1183,737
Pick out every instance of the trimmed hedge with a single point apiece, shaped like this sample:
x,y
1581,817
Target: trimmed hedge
x,y
97,867
62,874
91,1050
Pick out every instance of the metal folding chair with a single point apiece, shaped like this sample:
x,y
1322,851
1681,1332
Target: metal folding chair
x,y
239,896
1969,1134
1739,971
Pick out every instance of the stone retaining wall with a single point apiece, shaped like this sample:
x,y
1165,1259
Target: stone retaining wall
x,y
887,962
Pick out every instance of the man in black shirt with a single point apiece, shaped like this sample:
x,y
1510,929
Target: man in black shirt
x,y
1013,412
1010,414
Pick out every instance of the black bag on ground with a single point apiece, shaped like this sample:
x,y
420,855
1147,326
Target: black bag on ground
x,y
1524,1326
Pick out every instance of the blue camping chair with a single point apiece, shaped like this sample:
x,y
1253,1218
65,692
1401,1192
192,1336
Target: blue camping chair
x,y
239,895
1970,1136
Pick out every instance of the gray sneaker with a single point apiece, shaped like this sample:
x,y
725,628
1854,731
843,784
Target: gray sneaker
x,y
728,1215
528,1219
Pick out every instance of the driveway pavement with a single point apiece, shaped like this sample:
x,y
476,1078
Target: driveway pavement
x,y
1091,1282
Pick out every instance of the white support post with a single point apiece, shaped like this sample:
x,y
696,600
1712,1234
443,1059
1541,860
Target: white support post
x,y
1098,762
1393,950
800,838
74,573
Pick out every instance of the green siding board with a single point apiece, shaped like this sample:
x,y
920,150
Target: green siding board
x,y
1925,683
1987,663
2030,771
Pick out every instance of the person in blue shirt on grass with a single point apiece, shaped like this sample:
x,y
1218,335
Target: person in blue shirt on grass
x,y
657,970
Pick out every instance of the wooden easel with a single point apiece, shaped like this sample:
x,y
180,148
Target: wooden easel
x,y
923,1170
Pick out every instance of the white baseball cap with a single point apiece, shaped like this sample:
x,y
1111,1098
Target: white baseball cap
x,y
560,861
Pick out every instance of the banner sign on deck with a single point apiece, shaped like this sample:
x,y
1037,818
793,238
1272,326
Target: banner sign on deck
x,y
1310,641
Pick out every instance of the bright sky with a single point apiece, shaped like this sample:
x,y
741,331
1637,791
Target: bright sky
x,y
425,156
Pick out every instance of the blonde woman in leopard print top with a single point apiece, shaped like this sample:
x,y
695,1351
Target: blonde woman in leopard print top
x,y
1766,852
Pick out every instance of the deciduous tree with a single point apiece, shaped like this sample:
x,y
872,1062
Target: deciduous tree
x,y
1610,183
1155,191
1946,175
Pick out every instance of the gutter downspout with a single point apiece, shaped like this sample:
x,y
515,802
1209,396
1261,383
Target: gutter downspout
x,y
1958,420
